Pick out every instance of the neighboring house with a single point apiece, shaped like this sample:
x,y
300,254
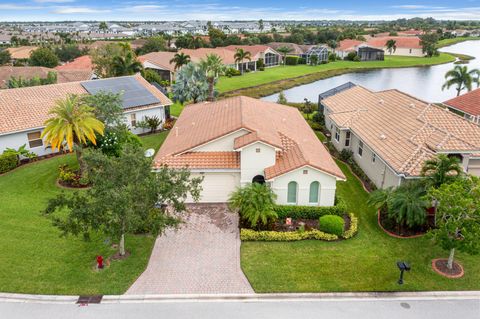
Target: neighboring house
x,y
160,62
407,46
29,72
467,104
238,140
5,38
303,51
368,53
83,62
346,46
21,53
391,133
270,56
25,110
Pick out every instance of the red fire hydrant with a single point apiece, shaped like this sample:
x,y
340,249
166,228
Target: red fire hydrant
x,y
99,262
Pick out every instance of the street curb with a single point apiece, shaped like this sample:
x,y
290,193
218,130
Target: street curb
x,y
116,299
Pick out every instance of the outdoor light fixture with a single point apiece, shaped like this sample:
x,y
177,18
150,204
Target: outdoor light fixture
x,y
403,266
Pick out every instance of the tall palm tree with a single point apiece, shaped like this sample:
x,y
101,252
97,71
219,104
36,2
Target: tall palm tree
x,y
126,64
72,122
333,44
180,59
284,51
408,206
241,55
391,46
441,170
462,78
380,198
213,67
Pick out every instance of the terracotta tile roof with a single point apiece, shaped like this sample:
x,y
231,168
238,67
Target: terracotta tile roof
x,y
255,50
21,53
81,63
280,126
468,102
64,76
401,129
295,48
197,54
27,108
161,59
348,45
212,160
400,42
29,72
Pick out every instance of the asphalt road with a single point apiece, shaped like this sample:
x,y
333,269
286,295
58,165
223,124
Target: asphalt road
x,y
371,308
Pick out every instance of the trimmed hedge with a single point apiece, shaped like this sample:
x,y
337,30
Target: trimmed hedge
x,y
8,161
252,235
310,212
291,60
331,224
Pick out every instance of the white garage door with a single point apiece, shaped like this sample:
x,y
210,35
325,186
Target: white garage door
x,y
217,187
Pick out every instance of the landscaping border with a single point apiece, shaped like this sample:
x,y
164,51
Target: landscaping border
x,y
395,235
444,274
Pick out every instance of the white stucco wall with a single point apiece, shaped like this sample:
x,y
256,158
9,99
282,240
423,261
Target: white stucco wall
x,y
474,166
253,163
223,144
327,186
140,116
16,140
405,52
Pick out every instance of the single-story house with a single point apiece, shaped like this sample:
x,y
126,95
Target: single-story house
x,y
407,46
346,46
29,72
83,62
391,133
368,53
5,38
467,104
25,110
303,51
240,140
160,62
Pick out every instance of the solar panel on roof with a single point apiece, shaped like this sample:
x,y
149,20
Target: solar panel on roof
x,y
133,93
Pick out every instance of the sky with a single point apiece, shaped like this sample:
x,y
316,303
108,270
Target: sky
x,y
214,10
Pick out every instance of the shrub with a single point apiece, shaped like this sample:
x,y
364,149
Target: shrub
x,y
69,177
319,118
8,161
310,212
331,224
291,60
260,63
168,125
252,235
346,155
232,72
356,59
353,229
351,56
261,68
315,126
302,61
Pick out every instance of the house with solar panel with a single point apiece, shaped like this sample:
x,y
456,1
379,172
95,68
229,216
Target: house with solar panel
x,y
25,110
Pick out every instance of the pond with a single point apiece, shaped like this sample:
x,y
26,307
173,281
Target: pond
x,y
422,82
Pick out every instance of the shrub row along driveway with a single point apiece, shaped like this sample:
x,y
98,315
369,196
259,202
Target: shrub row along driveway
x,y
202,256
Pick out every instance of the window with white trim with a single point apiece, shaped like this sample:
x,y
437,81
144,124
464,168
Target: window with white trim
x,y
35,139
360,148
133,119
337,134
347,138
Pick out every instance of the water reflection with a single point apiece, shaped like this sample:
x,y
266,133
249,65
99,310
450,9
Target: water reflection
x,y
422,82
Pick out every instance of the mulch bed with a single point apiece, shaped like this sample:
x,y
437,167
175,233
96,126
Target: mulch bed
x,y
68,185
281,226
440,267
393,229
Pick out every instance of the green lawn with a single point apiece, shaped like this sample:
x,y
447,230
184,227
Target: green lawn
x,y
286,72
365,263
35,259
447,42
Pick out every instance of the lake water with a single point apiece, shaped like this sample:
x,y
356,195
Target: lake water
x,y
422,82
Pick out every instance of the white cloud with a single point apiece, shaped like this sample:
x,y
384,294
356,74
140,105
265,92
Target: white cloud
x,y
53,1
13,6
78,10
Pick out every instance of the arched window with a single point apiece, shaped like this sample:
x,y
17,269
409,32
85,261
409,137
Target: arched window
x,y
314,191
259,179
292,193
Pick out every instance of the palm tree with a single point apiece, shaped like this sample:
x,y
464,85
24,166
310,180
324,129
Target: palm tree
x,y
462,78
180,59
190,84
255,203
408,206
441,170
126,65
380,198
391,46
284,51
213,67
241,55
72,122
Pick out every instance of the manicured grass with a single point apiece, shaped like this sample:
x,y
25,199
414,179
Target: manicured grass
x,y
447,42
366,262
154,140
287,72
176,108
33,256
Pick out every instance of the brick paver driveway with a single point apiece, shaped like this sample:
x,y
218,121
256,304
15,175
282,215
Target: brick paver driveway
x,y
202,257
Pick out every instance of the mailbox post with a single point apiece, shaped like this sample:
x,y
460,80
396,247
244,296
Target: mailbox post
x,y
402,266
